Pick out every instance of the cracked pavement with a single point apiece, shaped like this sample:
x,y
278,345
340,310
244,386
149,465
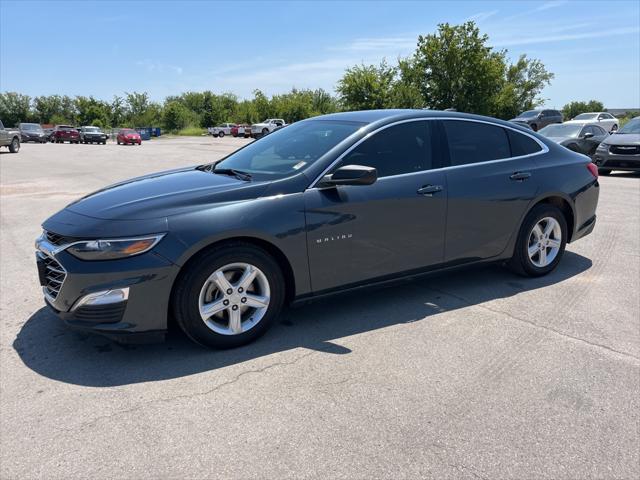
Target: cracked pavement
x,y
479,374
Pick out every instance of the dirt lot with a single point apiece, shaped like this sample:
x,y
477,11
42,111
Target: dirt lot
x,y
480,374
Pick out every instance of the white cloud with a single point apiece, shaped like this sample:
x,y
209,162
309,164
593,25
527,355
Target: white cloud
x,y
560,37
481,16
158,67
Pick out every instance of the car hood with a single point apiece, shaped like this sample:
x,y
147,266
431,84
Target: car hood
x,y
164,194
623,139
94,133
259,124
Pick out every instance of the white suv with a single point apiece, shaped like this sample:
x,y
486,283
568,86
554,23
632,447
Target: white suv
x,y
268,126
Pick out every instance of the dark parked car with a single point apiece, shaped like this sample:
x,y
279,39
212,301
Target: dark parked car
x,y
327,204
128,136
538,119
32,132
579,137
65,133
93,135
620,151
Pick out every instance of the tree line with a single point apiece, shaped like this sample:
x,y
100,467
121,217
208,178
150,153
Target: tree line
x,y
455,67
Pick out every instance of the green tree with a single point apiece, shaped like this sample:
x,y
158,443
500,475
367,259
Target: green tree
x,y
14,108
455,68
46,106
572,109
175,116
118,111
521,89
366,87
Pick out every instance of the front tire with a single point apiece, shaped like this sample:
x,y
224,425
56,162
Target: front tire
x,y
614,128
541,241
14,146
221,134
229,297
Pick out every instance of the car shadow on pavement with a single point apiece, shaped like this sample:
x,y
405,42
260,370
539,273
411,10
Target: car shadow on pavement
x,y
50,349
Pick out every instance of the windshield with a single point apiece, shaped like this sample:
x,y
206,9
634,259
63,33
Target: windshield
x,y
31,127
561,130
91,129
530,113
586,116
289,150
128,132
633,126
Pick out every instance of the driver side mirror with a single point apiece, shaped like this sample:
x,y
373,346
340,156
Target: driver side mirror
x,y
350,175
587,135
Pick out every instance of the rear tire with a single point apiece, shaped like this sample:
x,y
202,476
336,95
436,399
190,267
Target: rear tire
x,y
221,134
14,146
195,281
536,255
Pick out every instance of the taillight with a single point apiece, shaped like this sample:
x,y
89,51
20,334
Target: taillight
x,y
593,169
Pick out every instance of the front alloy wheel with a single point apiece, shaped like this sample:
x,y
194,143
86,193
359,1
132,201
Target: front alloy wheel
x,y
234,298
228,295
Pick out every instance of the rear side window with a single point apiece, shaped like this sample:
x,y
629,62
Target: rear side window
x,y
403,148
521,144
473,142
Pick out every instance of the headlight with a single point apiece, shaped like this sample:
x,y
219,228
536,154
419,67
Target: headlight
x,y
113,248
603,146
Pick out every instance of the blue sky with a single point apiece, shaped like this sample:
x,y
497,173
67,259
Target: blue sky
x,y
168,47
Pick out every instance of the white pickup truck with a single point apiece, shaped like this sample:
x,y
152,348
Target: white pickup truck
x,y
268,126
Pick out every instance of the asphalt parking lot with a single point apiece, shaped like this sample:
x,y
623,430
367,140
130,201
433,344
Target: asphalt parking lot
x,y
478,374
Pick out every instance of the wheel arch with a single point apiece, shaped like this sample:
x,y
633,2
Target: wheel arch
x,y
563,203
270,248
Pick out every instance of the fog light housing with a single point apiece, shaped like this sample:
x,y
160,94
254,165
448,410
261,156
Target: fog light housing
x,y
105,297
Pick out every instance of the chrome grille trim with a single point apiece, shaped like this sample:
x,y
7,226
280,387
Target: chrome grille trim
x,y
55,275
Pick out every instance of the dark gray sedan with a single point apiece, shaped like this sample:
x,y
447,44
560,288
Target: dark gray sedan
x,y
580,137
328,204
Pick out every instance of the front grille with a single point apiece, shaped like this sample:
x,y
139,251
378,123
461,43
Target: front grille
x,y
625,149
58,240
54,275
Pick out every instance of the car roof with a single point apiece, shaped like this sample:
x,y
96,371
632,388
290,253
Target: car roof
x,y
381,117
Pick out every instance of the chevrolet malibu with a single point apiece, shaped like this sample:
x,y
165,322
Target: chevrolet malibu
x,y
328,204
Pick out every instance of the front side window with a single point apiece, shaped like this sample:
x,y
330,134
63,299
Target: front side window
x,y
473,142
403,148
290,150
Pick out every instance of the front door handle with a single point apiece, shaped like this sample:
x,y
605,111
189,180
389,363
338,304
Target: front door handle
x,y
520,176
429,190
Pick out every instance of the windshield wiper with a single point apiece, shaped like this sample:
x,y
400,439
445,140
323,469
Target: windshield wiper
x,y
246,176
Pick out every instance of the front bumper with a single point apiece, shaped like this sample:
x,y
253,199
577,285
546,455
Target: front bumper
x,y
32,138
131,141
140,315
607,160
95,138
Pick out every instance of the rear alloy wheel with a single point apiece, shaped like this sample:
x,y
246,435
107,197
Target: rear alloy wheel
x,y
229,296
14,147
541,241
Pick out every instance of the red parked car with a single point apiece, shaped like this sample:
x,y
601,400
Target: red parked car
x,y
65,133
128,136
241,130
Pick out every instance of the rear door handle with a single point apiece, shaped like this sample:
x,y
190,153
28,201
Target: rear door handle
x,y
520,176
429,190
